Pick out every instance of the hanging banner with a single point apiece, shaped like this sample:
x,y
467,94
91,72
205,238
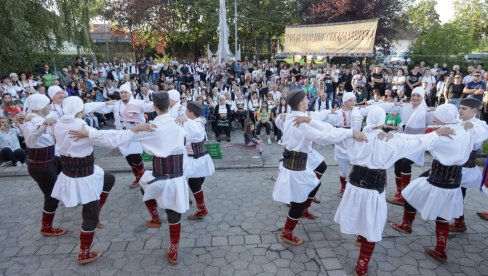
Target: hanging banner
x,y
340,39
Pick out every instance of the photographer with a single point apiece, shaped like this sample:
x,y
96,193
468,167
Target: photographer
x,y
10,151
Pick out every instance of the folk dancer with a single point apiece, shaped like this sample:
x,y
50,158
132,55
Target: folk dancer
x,y
438,196
81,181
198,163
296,182
363,209
471,174
42,164
415,118
166,183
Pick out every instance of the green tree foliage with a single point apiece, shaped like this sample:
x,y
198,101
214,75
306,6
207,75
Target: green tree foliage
x,y
422,16
29,32
466,33
474,15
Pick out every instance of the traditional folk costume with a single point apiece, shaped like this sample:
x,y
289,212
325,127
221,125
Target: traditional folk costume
x,y
81,181
165,184
297,183
362,210
177,109
57,110
344,119
471,174
414,121
316,163
126,116
484,187
42,164
198,163
438,196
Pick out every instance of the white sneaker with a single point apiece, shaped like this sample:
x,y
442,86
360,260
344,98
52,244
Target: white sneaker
x,y
269,141
279,142
6,164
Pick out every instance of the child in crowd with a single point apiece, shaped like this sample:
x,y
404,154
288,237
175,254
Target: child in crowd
x,y
392,121
252,140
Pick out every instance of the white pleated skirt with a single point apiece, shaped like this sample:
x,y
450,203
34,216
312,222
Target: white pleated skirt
x,y
314,158
169,194
362,212
294,186
471,178
82,190
200,167
432,202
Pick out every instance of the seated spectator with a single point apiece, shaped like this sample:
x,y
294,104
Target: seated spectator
x,y
263,116
222,115
90,118
8,108
252,140
321,103
10,150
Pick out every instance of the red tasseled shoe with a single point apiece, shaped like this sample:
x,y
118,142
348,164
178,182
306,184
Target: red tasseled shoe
x,y
47,228
287,233
86,256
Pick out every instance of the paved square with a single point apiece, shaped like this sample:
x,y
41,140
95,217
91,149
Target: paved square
x,y
240,236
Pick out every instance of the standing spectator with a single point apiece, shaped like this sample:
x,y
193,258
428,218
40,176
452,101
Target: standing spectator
x,y
454,91
429,84
476,88
346,79
10,151
143,70
378,80
329,86
398,81
81,66
358,80
413,80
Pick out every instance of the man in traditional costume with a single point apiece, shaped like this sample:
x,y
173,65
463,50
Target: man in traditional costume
x,y
438,197
296,182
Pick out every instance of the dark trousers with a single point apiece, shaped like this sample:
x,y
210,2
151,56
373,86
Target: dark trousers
x,y
134,159
90,214
7,154
296,209
45,179
220,129
266,125
404,166
196,184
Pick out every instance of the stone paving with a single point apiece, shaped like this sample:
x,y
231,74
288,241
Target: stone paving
x,y
239,237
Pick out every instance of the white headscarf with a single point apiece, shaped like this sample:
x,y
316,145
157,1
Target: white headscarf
x,y
53,90
174,95
376,117
71,106
126,87
347,96
37,101
446,113
416,118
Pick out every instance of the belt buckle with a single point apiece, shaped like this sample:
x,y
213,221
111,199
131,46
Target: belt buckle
x,y
363,183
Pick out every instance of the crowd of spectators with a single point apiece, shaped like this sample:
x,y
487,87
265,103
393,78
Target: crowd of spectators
x,y
236,94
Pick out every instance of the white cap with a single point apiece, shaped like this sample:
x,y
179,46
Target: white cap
x,y
72,106
38,101
347,96
174,95
53,89
125,87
